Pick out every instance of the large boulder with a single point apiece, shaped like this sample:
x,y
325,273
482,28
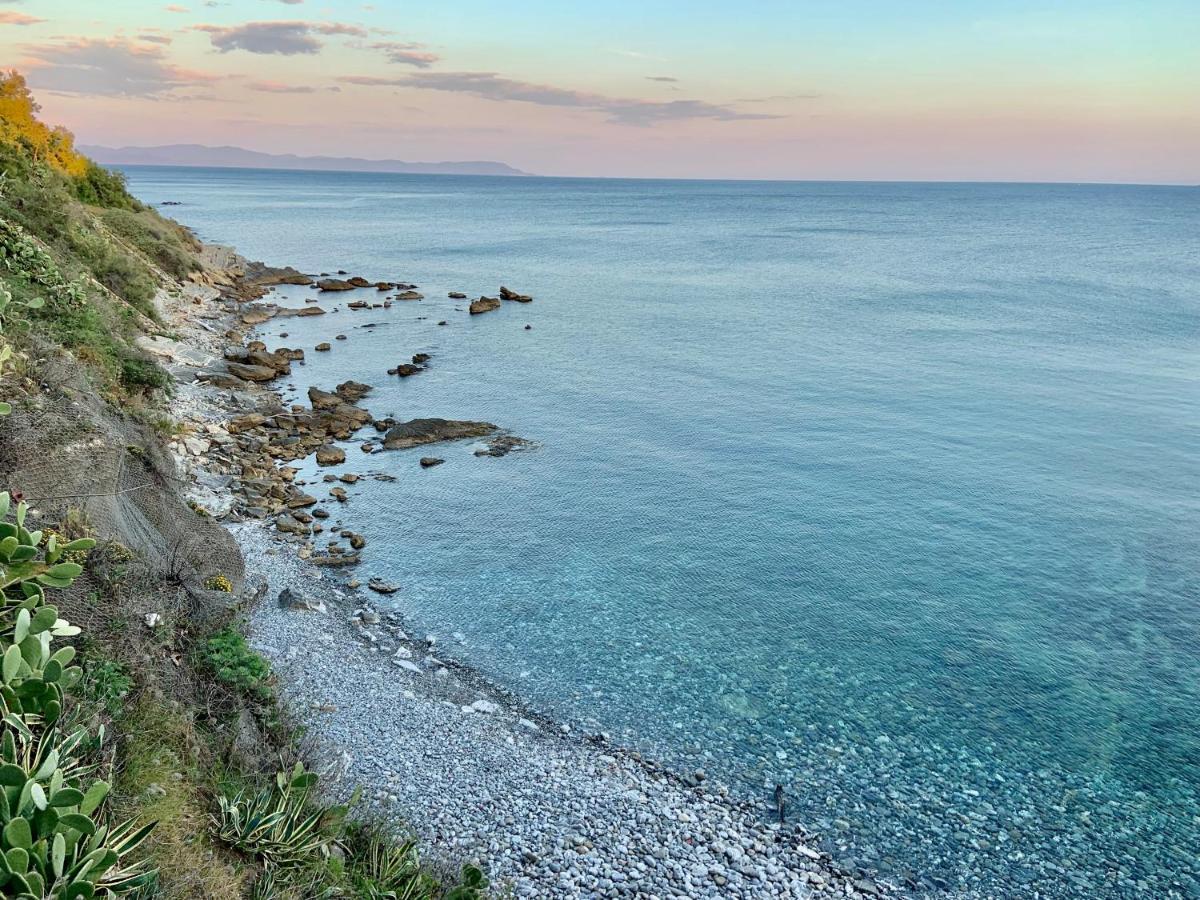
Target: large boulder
x,y
249,372
416,432
334,284
482,305
328,455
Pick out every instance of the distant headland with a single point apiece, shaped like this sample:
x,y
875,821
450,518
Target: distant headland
x,y
238,157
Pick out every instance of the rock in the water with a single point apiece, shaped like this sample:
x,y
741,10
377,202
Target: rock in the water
x,y
503,445
334,284
291,598
410,295
406,369
338,494
457,295
323,346
329,455
357,304
382,587
483,304
352,391
513,295
359,281
428,431
428,462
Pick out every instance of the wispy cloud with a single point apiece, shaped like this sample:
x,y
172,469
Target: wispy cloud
x,y
665,78
16,18
408,54
492,86
277,87
116,67
284,38
775,98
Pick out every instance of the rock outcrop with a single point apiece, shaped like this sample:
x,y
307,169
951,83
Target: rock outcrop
x,y
483,304
416,432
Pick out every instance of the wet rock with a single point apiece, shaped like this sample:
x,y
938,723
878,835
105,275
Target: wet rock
x,y
419,359
334,284
457,295
339,494
506,294
348,478
428,462
323,346
503,445
428,431
357,304
329,455
482,305
359,282
404,370
410,295
303,311
333,560
382,587
352,391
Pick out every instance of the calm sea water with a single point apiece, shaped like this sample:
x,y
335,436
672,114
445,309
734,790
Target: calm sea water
x,y
889,493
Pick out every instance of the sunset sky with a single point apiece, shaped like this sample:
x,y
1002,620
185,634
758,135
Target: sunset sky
x,y
1068,91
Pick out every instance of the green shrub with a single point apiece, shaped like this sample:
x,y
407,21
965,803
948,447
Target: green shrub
x,y
140,372
235,664
107,683
99,186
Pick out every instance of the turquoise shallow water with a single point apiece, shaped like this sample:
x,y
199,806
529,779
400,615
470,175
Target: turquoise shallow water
x,y
889,493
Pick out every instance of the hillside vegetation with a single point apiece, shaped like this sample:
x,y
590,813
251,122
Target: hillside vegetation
x,y
142,749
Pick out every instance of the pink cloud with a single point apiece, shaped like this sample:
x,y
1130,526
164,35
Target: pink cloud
x,y
16,18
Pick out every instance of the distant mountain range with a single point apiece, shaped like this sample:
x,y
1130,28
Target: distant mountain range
x,y
237,157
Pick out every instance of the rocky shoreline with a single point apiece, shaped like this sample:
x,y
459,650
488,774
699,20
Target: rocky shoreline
x,y
464,763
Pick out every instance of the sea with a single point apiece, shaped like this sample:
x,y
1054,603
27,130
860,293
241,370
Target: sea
x,y
885,493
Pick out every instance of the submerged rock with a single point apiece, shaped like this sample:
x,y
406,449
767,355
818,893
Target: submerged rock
x,y
503,445
428,431
382,587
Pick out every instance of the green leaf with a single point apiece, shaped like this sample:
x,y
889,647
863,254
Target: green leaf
x,y
93,798
58,854
12,775
11,664
65,570
17,860
77,822
21,627
43,619
67,796
17,834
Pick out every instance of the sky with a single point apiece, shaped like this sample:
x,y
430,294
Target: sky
x,y
851,90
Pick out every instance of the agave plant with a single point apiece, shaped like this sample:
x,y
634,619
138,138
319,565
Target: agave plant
x,y
278,824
